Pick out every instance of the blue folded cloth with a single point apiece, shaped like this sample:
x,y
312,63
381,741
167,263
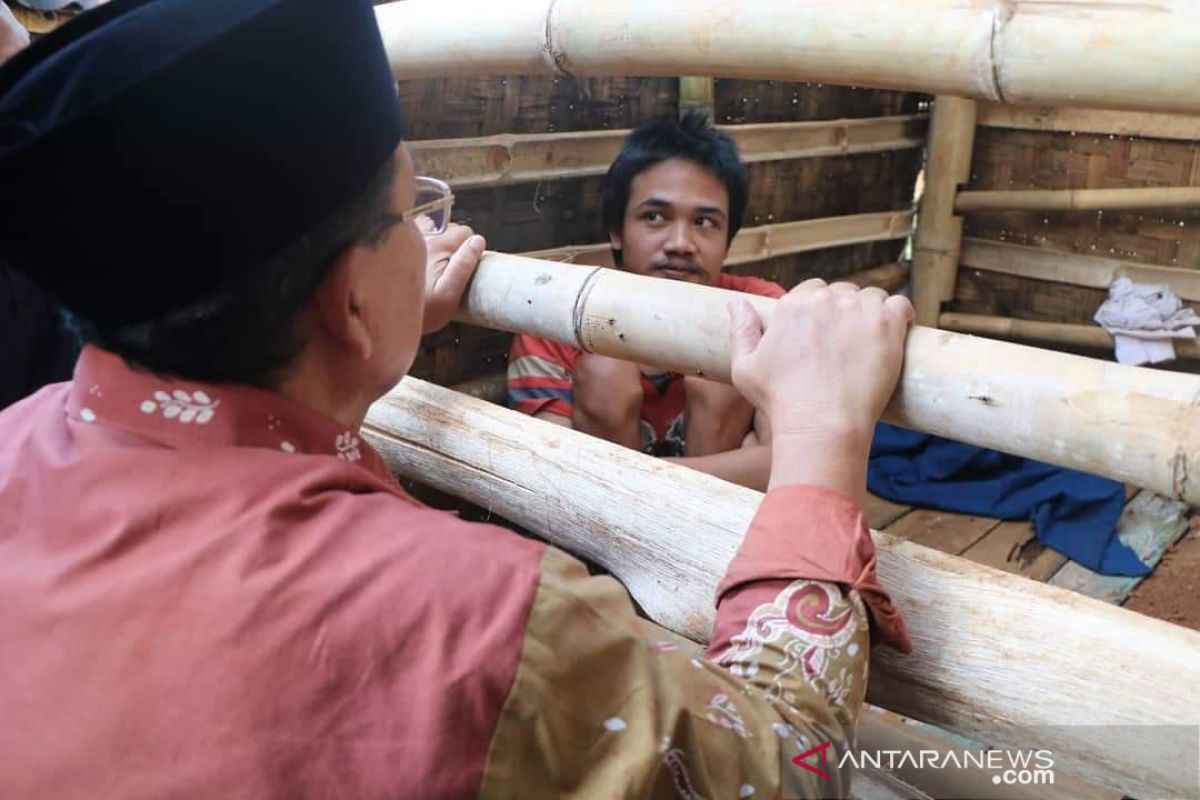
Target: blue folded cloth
x,y
1072,512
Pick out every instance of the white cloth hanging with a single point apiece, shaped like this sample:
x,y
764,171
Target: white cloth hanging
x,y
1143,319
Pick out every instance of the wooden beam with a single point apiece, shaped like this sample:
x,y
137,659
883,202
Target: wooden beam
x,y
998,658
1078,199
1078,270
769,241
1135,425
1132,55
939,231
1090,120
521,158
1046,333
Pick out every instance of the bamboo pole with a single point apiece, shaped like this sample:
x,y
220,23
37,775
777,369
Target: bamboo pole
x,y
1078,199
768,241
997,657
1132,55
1096,272
1090,120
939,231
520,158
1135,425
1052,333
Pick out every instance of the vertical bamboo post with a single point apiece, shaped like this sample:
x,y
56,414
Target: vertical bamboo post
x,y
939,231
698,94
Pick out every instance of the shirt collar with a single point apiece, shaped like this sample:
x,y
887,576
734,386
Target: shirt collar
x,y
181,413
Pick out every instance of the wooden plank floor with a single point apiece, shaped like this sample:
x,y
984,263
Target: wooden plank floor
x,y
1150,524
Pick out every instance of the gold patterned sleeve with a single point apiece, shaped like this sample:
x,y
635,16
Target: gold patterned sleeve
x,y
600,707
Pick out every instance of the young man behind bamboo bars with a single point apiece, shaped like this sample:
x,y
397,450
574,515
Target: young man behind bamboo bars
x,y
211,587
672,202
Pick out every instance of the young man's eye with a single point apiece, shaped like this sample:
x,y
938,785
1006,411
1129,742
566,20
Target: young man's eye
x,y
706,222
652,216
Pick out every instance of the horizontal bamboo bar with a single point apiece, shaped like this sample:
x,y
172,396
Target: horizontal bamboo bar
x,y
519,158
1078,199
1096,272
1060,333
997,657
1090,120
1132,55
769,241
1135,425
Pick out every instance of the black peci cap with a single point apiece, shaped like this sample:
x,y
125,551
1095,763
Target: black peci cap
x,y
152,150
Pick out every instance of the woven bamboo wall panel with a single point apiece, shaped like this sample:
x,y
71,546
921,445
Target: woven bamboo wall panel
x,y
740,102
1018,159
992,293
463,107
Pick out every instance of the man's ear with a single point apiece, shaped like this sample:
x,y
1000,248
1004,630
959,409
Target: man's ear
x,y
340,303
614,239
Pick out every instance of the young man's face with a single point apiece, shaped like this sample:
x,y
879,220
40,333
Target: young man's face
x,y
676,223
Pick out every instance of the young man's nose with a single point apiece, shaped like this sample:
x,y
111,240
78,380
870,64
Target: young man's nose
x,y
680,238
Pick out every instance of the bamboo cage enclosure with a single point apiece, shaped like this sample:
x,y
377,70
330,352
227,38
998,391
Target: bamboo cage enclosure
x,y
1059,156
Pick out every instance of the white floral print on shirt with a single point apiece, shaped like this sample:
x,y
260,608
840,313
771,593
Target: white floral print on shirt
x,y
182,406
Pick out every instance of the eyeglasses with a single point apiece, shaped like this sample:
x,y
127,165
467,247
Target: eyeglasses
x,y
431,207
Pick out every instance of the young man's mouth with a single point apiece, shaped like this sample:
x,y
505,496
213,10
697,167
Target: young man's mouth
x,y
678,271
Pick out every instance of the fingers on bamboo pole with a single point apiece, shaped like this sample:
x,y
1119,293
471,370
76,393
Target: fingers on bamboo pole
x,y
998,657
939,230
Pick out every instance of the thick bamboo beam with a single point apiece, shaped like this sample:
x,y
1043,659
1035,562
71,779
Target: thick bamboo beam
x,y
998,657
521,158
1078,199
1135,425
939,231
1132,55
1090,120
1046,333
769,241
1096,272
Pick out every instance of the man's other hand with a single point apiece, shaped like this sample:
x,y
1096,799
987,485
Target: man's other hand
x,y
822,373
607,399
453,257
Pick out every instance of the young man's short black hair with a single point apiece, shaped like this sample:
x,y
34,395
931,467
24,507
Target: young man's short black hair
x,y
689,137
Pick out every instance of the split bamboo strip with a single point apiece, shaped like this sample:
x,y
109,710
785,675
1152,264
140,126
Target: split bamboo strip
x,y
1078,199
769,241
1089,120
1134,425
697,94
520,158
889,277
1096,272
1132,55
1051,333
668,533
939,231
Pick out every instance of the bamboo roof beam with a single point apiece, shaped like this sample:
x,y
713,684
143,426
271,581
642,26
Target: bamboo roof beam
x,y
1047,333
521,158
1035,403
768,241
997,657
1096,272
1132,55
1078,199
